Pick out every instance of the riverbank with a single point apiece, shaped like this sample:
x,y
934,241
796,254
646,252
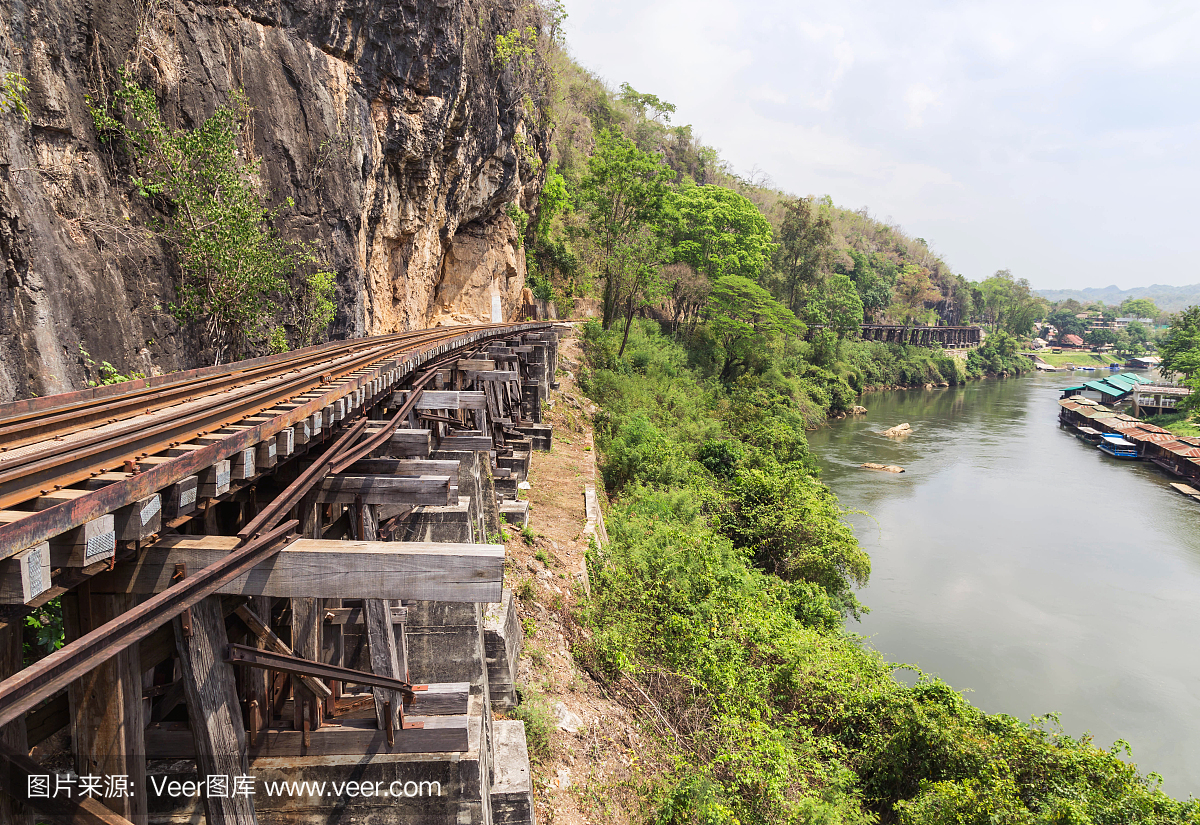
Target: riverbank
x,y
1057,578
722,599
871,366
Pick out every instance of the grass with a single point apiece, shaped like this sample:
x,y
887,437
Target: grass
x,y
534,710
1178,423
1079,359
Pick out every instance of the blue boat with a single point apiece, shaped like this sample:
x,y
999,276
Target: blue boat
x,y
1118,447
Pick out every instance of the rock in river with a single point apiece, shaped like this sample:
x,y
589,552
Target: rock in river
x,y
897,431
887,468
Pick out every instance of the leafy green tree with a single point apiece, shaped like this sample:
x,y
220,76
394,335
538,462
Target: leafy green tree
x,y
805,240
1139,308
234,263
874,285
746,321
838,306
1066,323
1137,332
1009,303
1100,337
622,194
1180,352
718,232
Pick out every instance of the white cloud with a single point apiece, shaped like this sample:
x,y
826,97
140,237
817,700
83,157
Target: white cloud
x,y
1056,138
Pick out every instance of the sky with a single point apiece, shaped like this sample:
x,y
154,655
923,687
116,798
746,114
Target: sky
x,y
1054,139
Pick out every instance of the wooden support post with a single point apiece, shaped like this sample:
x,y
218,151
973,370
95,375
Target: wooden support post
x,y
213,713
381,636
13,735
106,705
306,644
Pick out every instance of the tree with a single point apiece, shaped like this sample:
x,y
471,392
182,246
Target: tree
x,y
805,239
689,291
874,288
913,290
234,263
1139,308
1009,303
718,232
746,320
623,193
1066,323
1180,352
838,306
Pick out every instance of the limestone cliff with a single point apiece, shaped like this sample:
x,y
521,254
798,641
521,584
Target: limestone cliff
x,y
388,122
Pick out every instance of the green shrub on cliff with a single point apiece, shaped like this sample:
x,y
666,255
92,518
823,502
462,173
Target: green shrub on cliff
x,y
234,264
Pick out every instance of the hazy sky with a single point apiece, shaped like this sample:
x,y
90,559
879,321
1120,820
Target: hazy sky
x,y
1055,139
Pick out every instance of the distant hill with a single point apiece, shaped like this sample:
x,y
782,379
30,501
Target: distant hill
x,y
1166,298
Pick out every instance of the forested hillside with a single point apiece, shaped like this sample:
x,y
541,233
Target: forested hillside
x,y
728,317
689,220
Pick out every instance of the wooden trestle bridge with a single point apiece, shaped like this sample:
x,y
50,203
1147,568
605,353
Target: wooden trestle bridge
x,y
916,335
273,569
923,336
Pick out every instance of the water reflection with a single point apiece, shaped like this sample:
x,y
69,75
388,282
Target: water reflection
x,y
1019,563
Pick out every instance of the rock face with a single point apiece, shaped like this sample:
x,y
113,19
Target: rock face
x,y
399,137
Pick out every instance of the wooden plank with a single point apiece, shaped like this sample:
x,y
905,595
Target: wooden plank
x,y
408,442
218,738
444,399
373,489
87,544
25,575
475,364
266,454
272,642
404,467
445,699
215,480
346,737
495,375
479,443
106,705
354,615
327,569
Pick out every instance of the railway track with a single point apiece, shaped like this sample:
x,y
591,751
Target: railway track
x,y
142,437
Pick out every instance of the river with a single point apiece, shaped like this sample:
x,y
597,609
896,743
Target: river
x,y
1018,563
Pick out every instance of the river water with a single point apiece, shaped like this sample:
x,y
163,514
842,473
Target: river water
x,y
1017,562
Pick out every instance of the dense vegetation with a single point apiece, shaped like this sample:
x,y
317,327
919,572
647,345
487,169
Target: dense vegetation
x,y
724,590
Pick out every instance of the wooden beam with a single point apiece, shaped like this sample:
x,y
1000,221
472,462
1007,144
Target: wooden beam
x,y
446,699
474,443
444,399
327,569
354,615
307,705
25,575
272,642
13,735
344,737
404,467
344,488
218,738
106,706
406,442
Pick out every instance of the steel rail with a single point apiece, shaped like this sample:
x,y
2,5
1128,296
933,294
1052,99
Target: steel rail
x,y
270,660
23,477
45,524
20,429
22,692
